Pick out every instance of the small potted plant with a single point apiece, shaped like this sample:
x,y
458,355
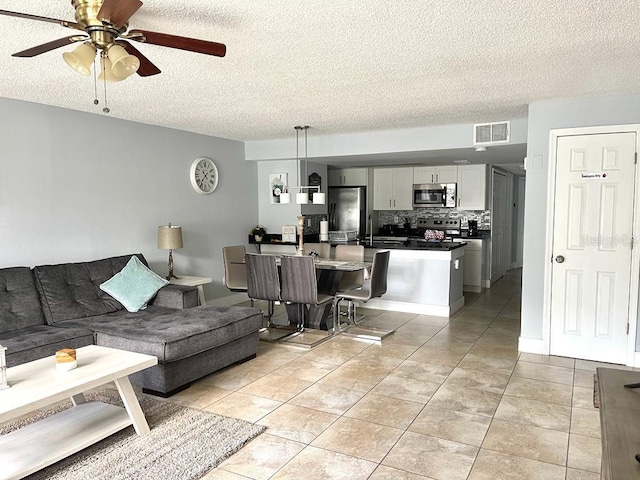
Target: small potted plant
x,y
258,232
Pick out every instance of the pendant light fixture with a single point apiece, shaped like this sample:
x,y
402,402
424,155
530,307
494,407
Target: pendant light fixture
x,y
302,197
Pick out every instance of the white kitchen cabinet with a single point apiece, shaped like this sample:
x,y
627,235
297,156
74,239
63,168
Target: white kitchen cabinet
x,y
472,187
392,188
473,263
348,177
442,174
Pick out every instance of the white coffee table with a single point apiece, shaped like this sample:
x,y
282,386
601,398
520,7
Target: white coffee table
x,y
38,384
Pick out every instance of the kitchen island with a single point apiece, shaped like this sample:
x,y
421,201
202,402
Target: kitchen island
x,y
424,278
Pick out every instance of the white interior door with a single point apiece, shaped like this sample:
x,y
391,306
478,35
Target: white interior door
x,y
592,231
498,225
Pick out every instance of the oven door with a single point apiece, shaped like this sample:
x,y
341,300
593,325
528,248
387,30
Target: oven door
x,y
429,195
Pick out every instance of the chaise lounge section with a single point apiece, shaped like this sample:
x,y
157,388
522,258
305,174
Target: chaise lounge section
x,y
56,306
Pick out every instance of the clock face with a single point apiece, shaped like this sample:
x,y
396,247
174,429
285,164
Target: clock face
x,y
204,175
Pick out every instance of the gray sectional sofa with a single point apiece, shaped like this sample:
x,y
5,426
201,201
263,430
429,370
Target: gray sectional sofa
x,y
56,306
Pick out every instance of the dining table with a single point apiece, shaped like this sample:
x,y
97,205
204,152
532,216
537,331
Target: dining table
x,y
329,272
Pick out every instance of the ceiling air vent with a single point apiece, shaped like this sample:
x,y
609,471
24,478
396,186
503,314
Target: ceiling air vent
x,y
491,133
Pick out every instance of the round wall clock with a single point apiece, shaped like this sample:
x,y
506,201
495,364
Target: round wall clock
x,y
203,175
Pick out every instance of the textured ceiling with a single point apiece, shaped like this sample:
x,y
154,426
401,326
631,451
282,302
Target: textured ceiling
x,y
341,66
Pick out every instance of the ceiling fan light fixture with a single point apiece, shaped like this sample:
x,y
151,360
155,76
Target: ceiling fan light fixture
x,y
81,58
123,65
107,74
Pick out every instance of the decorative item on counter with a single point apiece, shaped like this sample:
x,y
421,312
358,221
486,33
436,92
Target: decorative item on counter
x,y
3,368
433,235
289,233
324,230
300,235
258,233
66,360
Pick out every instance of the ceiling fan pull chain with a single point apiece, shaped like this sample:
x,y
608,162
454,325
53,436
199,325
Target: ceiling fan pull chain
x,y
95,84
106,107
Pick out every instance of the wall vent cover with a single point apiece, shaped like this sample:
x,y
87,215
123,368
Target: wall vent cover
x,y
491,133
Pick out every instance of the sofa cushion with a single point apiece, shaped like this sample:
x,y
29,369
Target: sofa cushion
x,y
72,290
19,302
171,334
39,341
134,285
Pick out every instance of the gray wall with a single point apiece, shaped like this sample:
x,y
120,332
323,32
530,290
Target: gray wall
x,y
543,117
76,186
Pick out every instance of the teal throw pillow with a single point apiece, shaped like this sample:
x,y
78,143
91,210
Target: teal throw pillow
x,y
134,285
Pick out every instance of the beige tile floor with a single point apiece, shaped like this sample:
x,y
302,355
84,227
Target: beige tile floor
x,y
442,399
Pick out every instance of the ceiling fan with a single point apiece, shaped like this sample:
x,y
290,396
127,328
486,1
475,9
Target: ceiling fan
x,y
104,25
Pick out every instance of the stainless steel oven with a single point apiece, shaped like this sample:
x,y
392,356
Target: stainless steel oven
x,y
434,195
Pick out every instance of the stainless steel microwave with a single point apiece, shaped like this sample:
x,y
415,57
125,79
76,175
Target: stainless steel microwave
x,y
434,195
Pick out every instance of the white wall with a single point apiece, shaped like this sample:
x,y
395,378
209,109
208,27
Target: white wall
x,y
76,186
274,216
382,141
543,117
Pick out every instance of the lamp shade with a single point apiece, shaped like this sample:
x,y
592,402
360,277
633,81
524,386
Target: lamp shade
x,y
302,198
106,74
122,64
285,197
169,237
319,198
81,58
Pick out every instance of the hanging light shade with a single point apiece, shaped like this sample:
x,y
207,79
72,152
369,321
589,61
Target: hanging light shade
x,y
285,197
302,198
107,73
81,58
123,65
319,198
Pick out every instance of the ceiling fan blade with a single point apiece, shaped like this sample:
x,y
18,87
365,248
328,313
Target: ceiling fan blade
x,y
47,47
182,43
64,23
146,67
118,12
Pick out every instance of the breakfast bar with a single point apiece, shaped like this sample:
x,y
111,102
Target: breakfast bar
x,y
423,278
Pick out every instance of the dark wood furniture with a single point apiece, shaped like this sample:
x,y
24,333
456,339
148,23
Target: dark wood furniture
x,y
619,423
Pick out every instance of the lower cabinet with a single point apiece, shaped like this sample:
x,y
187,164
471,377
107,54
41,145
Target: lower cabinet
x,y
473,265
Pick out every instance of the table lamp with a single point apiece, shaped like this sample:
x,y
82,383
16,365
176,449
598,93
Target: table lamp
x,y
170,238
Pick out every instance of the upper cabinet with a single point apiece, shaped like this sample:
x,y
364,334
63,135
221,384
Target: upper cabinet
x,y
392,188
348,177
472,187
443,174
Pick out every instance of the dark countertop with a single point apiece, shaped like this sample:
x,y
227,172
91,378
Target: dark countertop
x,y
417,245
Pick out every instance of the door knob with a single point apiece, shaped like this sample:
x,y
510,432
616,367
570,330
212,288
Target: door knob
x,y
559,259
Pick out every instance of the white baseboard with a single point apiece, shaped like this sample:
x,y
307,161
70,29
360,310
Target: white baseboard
x,y
471,288
418,308
515,265
636,360
531,345
230,300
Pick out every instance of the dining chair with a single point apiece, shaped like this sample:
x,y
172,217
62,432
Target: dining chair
x,y
263,283
323,250
376,287
235,269
300,285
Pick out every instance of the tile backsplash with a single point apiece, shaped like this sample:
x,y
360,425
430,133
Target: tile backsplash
x,y
388,217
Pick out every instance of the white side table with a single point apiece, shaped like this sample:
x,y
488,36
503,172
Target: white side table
x,y
193,282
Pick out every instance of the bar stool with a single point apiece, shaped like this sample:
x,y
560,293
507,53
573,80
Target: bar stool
x,y
235,269
323,250
350,280
377,286
300,286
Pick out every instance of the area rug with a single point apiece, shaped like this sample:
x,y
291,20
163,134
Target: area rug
x,y
184,444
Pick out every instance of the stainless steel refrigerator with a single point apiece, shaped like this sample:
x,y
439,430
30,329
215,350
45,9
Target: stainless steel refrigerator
x,y
348,209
